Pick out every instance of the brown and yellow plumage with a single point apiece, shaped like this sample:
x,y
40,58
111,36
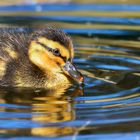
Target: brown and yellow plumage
x,y
36,57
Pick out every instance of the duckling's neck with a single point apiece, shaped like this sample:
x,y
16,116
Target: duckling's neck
x,y
32,76
56,80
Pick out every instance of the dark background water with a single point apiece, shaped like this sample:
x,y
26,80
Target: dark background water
x,y
106,37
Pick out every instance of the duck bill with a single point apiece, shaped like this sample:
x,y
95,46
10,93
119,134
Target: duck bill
x,y
71,70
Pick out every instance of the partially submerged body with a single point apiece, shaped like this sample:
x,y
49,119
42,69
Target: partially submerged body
x,y
36,58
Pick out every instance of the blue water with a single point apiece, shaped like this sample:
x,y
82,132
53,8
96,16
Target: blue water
x,y
108,106
71,7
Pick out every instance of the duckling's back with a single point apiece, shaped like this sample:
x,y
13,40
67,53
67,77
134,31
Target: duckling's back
x,y
15,67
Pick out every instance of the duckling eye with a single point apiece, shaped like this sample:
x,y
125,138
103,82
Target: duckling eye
x,y
56,52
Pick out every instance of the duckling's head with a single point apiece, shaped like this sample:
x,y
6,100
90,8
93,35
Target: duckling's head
x,y
51,50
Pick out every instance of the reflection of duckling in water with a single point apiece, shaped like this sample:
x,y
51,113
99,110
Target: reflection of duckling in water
x,y
44,110
36,58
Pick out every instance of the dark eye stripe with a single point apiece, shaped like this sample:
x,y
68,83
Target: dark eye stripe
x,y
48,48
51,50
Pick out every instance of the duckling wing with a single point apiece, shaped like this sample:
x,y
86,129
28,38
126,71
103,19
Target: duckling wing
x,y
7,55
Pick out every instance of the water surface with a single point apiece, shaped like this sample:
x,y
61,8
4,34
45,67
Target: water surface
x,y
106,39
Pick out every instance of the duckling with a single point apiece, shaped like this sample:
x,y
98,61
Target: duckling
x,y
37,57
